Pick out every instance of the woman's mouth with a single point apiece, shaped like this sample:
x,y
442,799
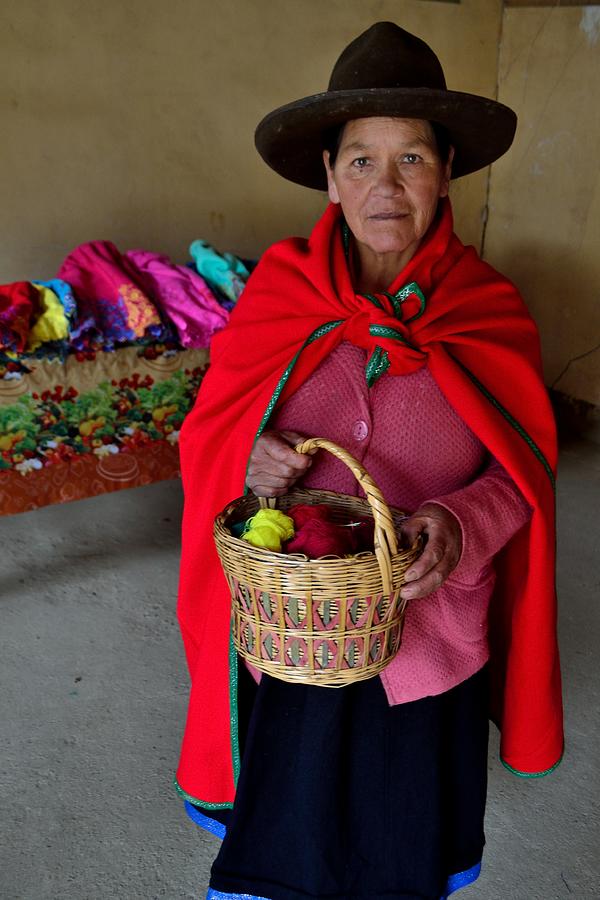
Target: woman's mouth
x,y
386,216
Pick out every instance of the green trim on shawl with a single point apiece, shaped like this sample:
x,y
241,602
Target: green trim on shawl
x,y
396,304
392,334
373,299
511,420
409,290
197,802
532,774
319,332
233,709
378,364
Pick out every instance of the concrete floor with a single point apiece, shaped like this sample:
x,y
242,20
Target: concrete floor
x,y
94,692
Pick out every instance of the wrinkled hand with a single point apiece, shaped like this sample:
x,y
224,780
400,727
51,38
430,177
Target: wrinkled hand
x,y
442,550
274,464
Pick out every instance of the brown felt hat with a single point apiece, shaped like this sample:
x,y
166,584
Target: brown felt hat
x,y
386,71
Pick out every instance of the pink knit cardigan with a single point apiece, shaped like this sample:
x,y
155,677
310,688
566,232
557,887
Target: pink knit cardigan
x,y
417,449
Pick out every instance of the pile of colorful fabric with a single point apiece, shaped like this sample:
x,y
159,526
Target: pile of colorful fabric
x,y
102,298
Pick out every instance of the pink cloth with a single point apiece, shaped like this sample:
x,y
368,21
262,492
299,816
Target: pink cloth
x,y
417,449
183,295
108,294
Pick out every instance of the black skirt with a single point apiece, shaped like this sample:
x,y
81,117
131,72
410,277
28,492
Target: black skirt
x,y
342,796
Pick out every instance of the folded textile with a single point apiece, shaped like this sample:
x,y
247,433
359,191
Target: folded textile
x,y
65,295
51,323
183,296
221,298
224,271
84,333
107,291
19,304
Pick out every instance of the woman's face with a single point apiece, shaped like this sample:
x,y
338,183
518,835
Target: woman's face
x,y
388,178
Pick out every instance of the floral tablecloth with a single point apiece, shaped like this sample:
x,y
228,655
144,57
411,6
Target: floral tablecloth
x,y
92,422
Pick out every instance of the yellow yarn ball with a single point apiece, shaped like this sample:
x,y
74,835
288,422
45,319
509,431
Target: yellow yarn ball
x,y
268,528
263,536
276,519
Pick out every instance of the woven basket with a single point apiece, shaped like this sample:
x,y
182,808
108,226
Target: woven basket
x,y
328,621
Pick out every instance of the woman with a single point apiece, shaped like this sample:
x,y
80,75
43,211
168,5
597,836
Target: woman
x,y
385,334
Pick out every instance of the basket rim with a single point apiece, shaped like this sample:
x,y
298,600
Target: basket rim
x,y
221,530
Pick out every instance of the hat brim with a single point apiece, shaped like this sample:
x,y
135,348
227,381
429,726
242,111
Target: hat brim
x,y
290,139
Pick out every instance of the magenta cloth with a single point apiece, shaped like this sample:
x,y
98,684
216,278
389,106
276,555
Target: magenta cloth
x,y
19,304
418,449
182,294
108,294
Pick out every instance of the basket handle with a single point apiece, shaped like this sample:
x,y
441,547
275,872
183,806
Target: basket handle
x,y
386,544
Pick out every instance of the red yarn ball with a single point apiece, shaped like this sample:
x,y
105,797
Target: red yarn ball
x,y
302,513
321,538
318,535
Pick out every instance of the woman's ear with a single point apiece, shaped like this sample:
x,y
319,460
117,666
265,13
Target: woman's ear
x,y
331,188
447,173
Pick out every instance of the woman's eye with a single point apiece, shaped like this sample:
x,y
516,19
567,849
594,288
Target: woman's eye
x,y
360,162
411,157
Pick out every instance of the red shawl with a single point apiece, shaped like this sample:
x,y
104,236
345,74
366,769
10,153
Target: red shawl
x,y
482,348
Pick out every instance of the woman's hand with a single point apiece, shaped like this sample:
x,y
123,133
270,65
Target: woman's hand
x,y
442,550
274,464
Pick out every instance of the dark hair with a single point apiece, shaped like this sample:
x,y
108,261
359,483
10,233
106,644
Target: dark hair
x,y
442,139
332,138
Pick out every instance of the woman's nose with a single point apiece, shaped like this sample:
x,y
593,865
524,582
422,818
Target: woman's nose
x,y
389,181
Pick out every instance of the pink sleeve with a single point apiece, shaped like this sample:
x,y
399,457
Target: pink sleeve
x,y
490,511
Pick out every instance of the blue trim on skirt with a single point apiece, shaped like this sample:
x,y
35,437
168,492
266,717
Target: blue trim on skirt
x,y
455,883
462,879
446,733
203,821
217,895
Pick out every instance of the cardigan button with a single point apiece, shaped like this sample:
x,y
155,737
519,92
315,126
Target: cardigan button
x,y
360,430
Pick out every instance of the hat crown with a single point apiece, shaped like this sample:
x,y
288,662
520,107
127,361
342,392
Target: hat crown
x,y
387,56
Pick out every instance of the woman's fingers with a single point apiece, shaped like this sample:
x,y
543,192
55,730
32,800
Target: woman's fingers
x,y
285,458
264,484
274,464
293,438
442,550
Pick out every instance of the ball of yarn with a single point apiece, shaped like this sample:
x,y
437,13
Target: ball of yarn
x,y
237,529
265,536
318,537
302,513
268,528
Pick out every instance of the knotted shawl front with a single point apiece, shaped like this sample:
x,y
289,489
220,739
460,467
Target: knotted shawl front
x,y
448,310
